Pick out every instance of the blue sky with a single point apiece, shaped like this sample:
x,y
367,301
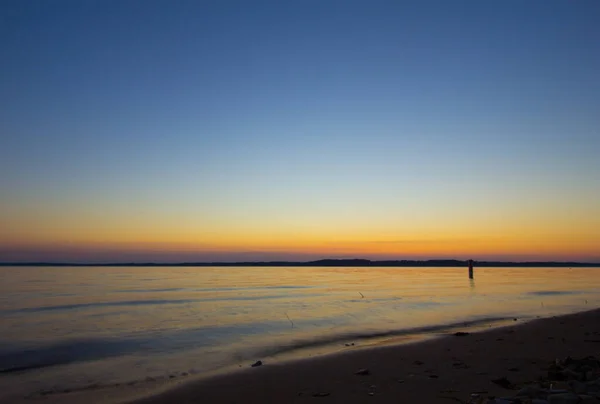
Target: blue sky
x,y
262,112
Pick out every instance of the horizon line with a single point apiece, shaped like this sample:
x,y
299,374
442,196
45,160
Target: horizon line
x,y
323,262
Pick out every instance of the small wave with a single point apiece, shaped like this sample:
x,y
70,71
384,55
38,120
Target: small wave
x,y
342,337
555,292
149,290
76,306
63,353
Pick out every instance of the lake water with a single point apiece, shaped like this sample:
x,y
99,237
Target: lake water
x,y
76,327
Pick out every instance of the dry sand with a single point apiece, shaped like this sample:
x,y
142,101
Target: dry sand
x,y
443,370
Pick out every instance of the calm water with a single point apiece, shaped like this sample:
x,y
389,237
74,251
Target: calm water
x,y
72,327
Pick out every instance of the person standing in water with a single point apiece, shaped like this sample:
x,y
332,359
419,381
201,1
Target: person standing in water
x,y
470,269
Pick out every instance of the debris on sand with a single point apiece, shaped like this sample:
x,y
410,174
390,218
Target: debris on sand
x,y
580,377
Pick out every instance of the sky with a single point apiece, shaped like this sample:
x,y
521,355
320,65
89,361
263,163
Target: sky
x,y
166,131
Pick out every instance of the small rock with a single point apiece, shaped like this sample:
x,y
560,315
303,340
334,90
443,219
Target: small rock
x,y
433,376
564,398
593,386
461,334
321,394
400,381
572,375
503,382
531,392
515,319
362,372
256,364
513,369
419,363
578,387
371,393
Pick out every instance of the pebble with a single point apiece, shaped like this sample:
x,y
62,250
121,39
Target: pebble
x,y
503,382
362,372
563,398
257,363
531,392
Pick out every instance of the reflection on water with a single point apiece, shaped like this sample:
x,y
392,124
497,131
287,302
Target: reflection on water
x,y
114,324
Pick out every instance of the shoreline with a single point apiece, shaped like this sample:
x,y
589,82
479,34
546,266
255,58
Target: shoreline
x,y
434,367
432,371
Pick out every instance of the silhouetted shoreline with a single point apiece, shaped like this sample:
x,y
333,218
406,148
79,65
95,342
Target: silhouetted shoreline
x,y
317,263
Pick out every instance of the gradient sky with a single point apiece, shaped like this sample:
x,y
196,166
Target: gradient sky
x,y
224,130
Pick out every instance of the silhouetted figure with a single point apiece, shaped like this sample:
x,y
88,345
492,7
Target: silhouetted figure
x,y
470,269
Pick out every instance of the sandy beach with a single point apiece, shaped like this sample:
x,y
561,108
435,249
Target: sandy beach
x,y
444,370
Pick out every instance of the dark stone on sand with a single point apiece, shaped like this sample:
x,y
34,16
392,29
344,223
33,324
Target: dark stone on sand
x,y
256,364
461,334
503,382
514,319
433,376
321,394
460,365
362,372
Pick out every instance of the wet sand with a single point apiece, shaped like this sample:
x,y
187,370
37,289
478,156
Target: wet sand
x,y
443,370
